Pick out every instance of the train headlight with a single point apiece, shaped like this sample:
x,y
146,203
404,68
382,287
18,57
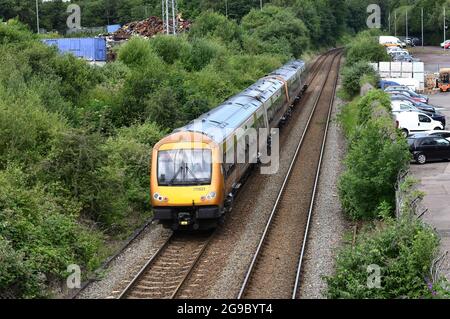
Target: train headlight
x,y
160,198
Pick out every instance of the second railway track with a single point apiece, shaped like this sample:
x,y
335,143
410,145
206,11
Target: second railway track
x,y
276,266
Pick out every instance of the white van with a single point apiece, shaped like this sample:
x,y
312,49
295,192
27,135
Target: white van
x,y
410,122
389,41
403,106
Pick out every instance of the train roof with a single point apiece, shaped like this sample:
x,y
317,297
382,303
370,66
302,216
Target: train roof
x,y
289,69
231,114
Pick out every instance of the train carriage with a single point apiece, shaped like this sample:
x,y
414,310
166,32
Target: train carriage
x,y
195,170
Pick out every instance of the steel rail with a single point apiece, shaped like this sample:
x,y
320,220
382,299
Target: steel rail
x,y
147,265
316,183
283,186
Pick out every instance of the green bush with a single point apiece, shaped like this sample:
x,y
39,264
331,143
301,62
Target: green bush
x,y
215,25
365,47
404,250
39,236
353,74
275,30
138,52
171,49
375,156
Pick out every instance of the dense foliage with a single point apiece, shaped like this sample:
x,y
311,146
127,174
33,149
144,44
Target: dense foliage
x,y
360,51
375,156
75,140
404,250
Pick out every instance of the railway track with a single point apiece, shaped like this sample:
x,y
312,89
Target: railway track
x,y
165,274
162,276
275,270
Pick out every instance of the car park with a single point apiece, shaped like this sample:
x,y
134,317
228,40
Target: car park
x,y
410,122
426,148
402,106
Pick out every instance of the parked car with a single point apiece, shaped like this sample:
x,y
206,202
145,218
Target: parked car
x,y
393,49
383,84
402,58
421,106
410,42
396,53
410,122
403,106
439,133
427,148
413,95
405,88
399,87
447,45
444,43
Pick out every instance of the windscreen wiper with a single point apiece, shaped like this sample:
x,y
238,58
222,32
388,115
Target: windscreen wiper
x,y
176,174
197,181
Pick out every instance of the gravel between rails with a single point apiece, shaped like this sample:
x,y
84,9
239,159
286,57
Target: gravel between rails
x,y
328,223
221,269
122,269
277,263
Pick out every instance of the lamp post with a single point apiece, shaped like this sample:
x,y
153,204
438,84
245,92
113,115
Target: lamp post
x,y
37,15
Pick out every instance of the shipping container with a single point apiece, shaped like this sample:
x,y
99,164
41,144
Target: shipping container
x,y
91,49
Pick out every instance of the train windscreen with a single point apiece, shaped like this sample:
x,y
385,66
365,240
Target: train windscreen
x,y
184,167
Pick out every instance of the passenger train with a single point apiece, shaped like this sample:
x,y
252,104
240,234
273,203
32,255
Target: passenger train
x,y
192,185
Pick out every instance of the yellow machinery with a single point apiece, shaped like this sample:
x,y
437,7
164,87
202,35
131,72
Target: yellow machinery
x,y
444,79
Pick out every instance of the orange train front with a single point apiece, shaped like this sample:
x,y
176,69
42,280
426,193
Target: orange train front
x,y
193,179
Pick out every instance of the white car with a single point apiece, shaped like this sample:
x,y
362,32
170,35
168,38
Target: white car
x,y
411,122
444,43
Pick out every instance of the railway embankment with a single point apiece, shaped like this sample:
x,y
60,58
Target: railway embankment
x,y
391,253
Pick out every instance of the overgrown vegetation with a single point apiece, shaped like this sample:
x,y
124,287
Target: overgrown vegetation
x,y
360,51
376,153
75,140
403,250
401,247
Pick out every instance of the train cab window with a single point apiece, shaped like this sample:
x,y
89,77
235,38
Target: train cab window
x,y
184,167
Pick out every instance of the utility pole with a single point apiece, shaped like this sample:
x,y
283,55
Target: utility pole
x,y
261,4
445,35
37,16
389,21
395,22
226,8
406,26
422,27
